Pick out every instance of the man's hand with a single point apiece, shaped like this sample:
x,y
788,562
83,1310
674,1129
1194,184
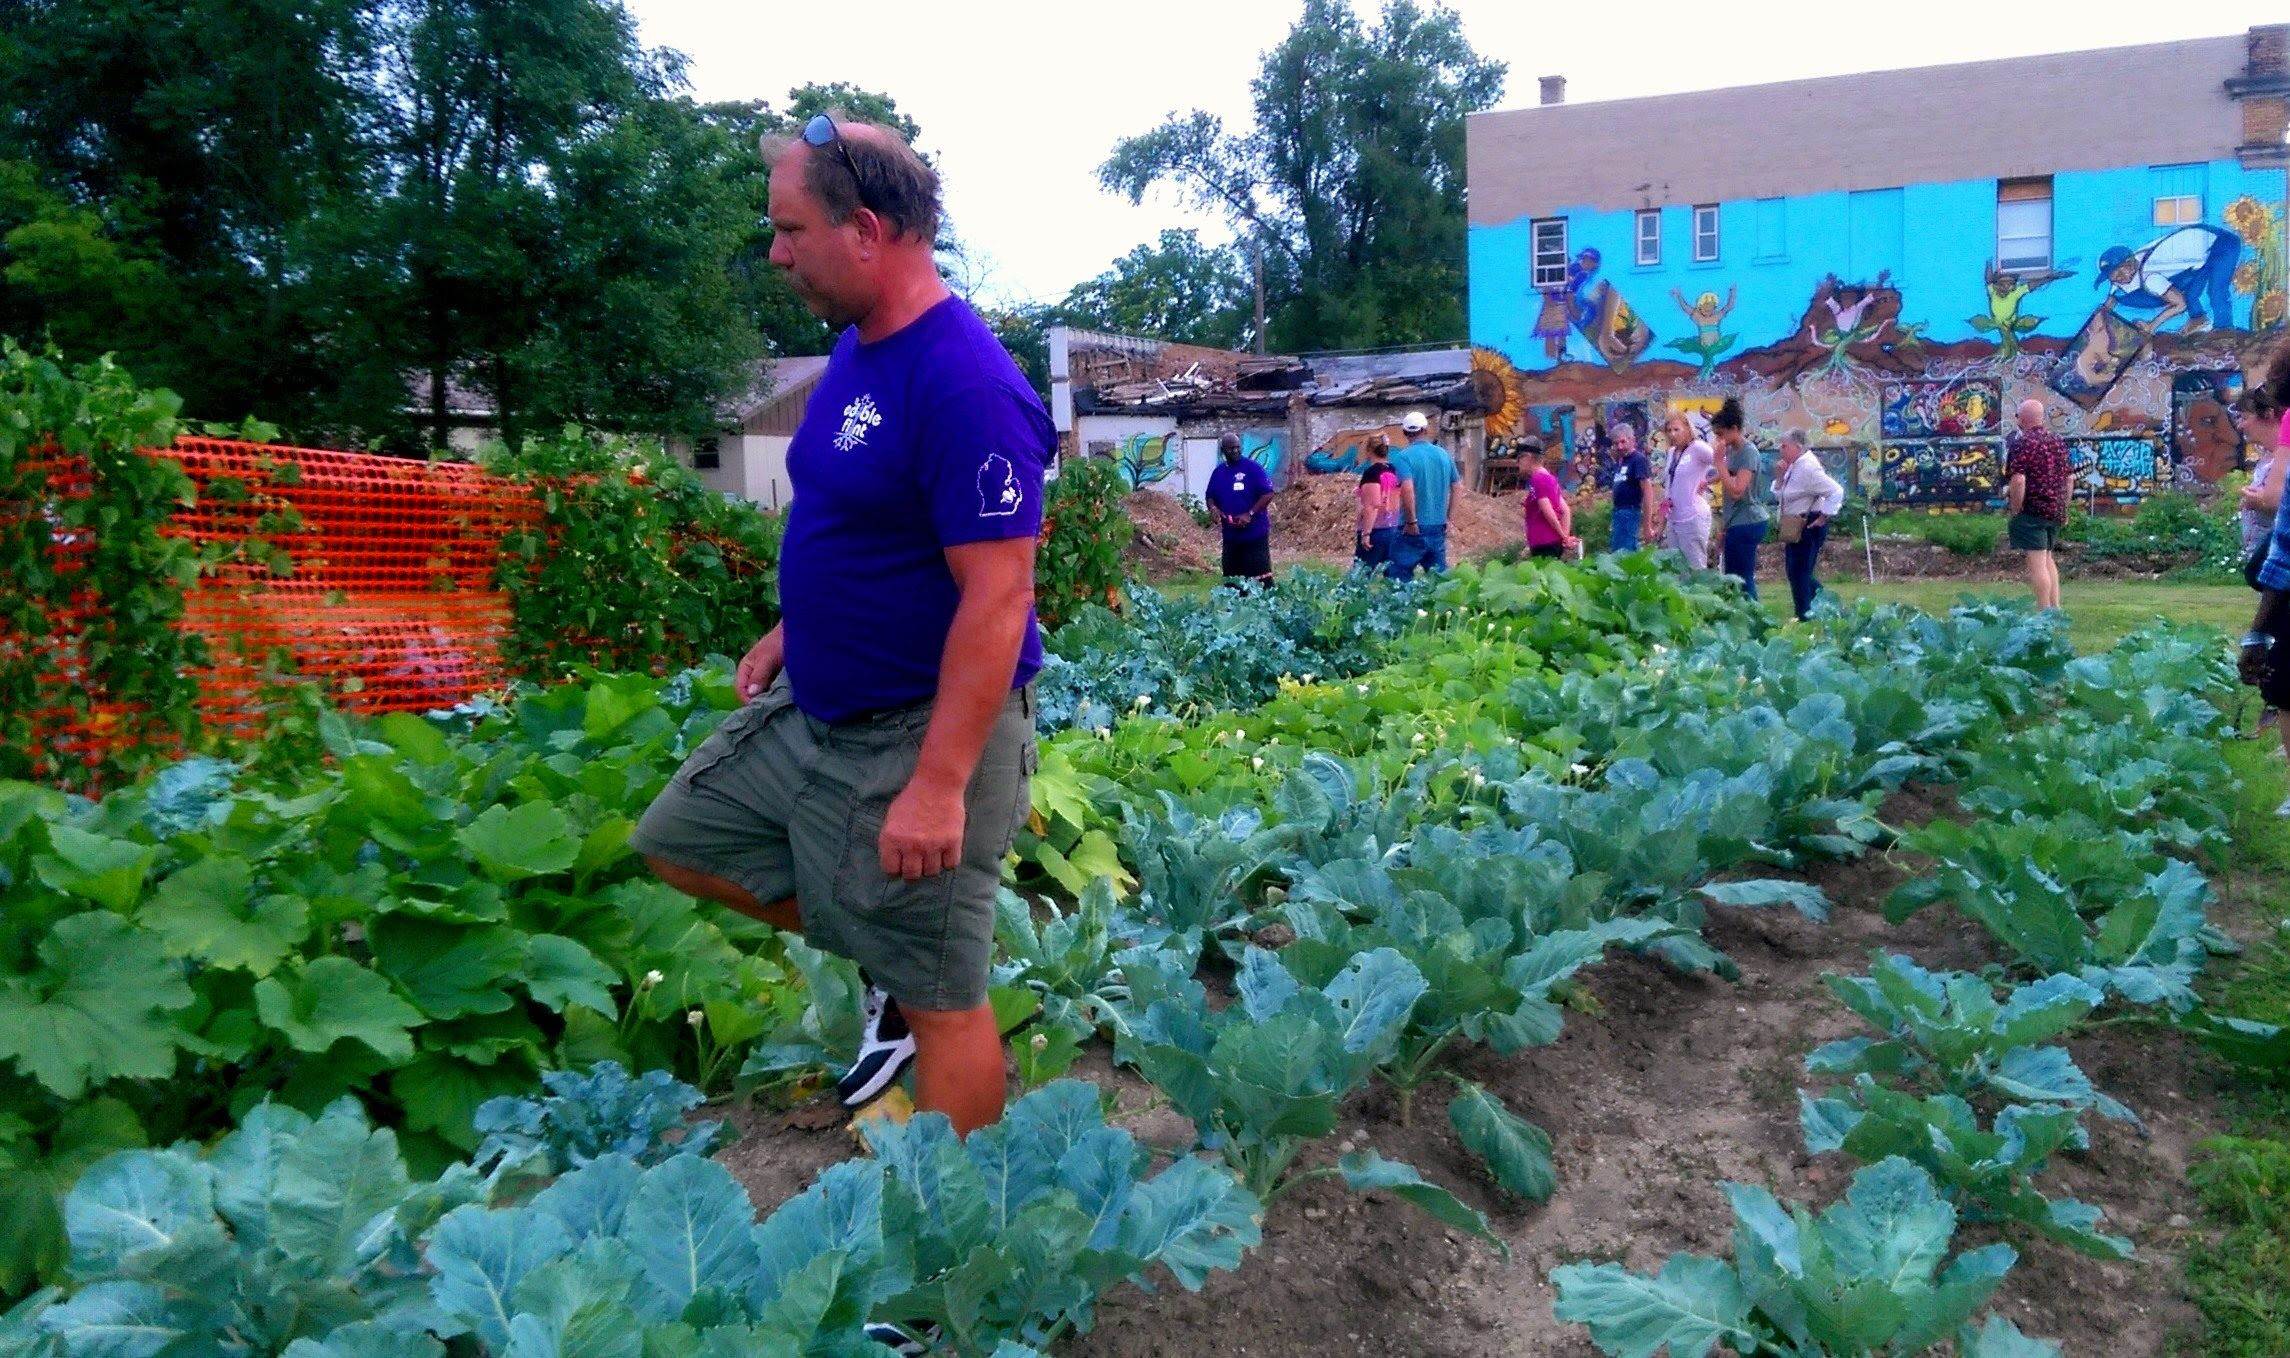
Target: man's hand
x,y
760,665
2251,665
922,834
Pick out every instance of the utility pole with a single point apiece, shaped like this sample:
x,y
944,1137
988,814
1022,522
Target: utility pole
x,y
1256,243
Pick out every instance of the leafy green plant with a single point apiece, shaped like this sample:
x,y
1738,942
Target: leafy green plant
x,y
1951,1041
1084,529
601,1112
1263,1077
1870,1275
1071,960
2143,940
636,564
95,590
1987,1169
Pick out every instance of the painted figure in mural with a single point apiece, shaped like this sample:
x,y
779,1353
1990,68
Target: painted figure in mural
x,y
2206,440
2096,359
2006,291
1146,458
1845,326
2189,272
1708,341
1566,307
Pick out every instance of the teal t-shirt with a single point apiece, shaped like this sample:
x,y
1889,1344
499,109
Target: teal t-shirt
x,y
1430,469
1750,508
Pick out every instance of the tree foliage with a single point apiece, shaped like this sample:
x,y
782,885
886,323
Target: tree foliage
x,y
334,211
1178,289
1352,173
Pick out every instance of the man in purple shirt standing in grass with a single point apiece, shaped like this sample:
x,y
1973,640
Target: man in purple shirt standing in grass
x,y
869,790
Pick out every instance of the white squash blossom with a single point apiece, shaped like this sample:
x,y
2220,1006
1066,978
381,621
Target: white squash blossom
x,y
653,978
695,1018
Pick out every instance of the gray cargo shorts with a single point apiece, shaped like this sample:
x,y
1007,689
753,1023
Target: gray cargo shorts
x,y
783,804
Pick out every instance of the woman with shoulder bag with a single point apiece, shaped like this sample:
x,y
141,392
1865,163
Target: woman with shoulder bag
x,y
1809,497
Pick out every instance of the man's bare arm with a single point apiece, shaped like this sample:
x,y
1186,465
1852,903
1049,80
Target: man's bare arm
x,y
2016,493
922,835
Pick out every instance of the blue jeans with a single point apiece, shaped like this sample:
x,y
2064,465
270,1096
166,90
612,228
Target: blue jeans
x,y
1741,540
1378,555
1625,537
1798,559
1426,548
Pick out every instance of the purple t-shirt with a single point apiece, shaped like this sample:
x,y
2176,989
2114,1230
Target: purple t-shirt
x,y
1234,488
926,439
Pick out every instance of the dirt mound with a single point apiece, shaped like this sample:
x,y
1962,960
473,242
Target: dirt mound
x,y
1168,542
1313,520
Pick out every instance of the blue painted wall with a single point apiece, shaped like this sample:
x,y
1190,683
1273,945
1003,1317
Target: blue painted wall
x,y
1773,255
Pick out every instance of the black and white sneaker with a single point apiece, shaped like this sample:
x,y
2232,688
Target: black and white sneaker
x,y
897,1339
886,1048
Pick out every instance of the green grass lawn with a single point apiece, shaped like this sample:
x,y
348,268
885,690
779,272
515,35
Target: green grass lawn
x,y
2099,611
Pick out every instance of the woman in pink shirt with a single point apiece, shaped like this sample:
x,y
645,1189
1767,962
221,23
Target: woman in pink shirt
x,y
1550,519
1377,525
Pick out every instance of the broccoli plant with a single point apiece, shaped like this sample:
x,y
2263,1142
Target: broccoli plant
x,y
1870,1276
1262,1078
2030,883
605,1112
1959,1049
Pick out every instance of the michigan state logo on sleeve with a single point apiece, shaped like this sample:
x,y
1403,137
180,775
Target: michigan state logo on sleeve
x,y
998,493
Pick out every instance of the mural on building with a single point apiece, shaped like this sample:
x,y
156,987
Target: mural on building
x,y
1846,463
2006,291
1591,305
2116,471
1914,347
1708,342
1959,407
1495,382
1934,472
1147,458
1341,452
2206,443
1267,448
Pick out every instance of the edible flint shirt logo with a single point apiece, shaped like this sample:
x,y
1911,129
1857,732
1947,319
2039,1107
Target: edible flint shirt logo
x,y
998,493
858,417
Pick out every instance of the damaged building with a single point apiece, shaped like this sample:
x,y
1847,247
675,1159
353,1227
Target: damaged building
x,y
1158,407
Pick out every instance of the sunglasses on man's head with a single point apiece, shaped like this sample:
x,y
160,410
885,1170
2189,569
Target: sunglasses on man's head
x,y
822,132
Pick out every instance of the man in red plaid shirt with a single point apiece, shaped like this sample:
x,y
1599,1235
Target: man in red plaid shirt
x,y
2036,469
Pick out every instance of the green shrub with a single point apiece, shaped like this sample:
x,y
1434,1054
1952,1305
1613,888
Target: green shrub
x,y
1084,529
636,564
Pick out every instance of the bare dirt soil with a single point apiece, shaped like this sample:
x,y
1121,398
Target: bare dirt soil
x,y
1679,1083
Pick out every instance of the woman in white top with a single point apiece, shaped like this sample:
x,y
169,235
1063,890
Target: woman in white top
x,y
2264,492
1807,491
1685,507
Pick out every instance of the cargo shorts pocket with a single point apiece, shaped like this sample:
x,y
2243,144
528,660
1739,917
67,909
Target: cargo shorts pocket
x,y
734,732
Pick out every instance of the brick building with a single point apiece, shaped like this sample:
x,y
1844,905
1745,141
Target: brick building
x,y
1891,260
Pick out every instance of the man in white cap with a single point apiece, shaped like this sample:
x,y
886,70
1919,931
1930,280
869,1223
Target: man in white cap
x,y
1427,478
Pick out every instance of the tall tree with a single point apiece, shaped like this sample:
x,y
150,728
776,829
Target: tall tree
x,y
1178,289
1352,172
194,143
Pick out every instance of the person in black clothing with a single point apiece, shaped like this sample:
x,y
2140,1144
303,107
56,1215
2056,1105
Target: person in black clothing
x,y
1631,473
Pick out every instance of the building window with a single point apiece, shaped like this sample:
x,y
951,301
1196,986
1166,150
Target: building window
x,y
2178,195
2023,224
707,455
1649,236
1550,252
1705,233
1772,229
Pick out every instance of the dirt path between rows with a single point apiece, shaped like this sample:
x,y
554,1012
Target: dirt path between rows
x,y
1682,1082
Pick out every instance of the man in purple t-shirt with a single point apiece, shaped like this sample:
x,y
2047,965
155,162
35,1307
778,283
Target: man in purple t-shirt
x,y
1239,489
870,788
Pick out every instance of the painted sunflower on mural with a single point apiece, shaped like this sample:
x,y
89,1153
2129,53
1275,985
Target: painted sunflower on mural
x,y
1496,383
2251,220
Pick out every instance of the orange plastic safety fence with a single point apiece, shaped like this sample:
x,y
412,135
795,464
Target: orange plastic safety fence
x,y
332,566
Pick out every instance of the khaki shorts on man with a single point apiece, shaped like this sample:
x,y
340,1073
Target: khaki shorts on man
x,y
784,805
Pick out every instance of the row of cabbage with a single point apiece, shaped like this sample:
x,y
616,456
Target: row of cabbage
x,y
1427,894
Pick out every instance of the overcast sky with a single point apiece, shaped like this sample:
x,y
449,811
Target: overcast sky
x,y
1020,100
